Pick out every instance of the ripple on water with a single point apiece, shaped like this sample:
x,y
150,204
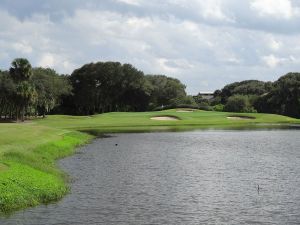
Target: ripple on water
x,y
207,177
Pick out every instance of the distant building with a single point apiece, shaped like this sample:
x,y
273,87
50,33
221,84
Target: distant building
x,y
207,95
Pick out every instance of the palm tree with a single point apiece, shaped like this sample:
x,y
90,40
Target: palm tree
x,y
21,72
21,69
26,95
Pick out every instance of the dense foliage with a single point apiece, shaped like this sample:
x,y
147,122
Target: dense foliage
x,y
27,91
279,97
105,87
284,98
247,87
111,86
93,88
165,91
239,103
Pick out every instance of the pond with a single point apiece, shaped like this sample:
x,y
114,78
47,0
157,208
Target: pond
x,y
199,177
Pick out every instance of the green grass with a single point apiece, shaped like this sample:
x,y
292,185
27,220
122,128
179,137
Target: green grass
x,y
28,174
28,151
140,121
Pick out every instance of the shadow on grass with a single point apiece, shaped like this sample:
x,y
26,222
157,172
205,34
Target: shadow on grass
x,y
7,121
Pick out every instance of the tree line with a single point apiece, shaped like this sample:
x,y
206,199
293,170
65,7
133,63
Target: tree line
x,y
111,86
279,97
94,88
27,91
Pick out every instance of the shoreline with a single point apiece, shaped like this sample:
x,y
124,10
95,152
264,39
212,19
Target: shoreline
x,y
30,175
30,183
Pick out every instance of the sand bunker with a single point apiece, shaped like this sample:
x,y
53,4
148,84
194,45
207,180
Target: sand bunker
x,y
240,117
164,118
185,110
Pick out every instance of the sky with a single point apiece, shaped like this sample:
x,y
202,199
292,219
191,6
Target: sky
x,y
205,44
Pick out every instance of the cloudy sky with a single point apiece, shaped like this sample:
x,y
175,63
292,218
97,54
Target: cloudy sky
x,y
205,44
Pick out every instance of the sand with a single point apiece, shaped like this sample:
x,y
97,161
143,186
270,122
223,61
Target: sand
x,y
164,118
240,118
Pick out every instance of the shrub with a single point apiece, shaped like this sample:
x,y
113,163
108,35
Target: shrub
x,y
239,103
219,107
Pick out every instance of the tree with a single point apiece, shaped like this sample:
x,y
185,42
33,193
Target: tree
x,y
218,107
165,90
238,103
7,93
107,86
284,98
50,87
20,70
135,92
184,102
27,91
247,87
25,96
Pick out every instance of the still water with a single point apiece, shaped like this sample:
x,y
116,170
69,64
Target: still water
x,y
203,177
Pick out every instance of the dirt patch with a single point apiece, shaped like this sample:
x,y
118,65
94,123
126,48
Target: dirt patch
x,y
165,118
236,117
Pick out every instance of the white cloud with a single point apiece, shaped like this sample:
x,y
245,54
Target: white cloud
x,y
173,66
138,23
273,61
47,60
56,61
68,66
233,60
22,47
276,8
213,10
164,67
206,44
130,2
274,45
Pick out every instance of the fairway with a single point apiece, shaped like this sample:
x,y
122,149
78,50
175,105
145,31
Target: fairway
x,y
28,173
122,120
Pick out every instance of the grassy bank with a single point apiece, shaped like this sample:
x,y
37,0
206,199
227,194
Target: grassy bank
x,y
28,174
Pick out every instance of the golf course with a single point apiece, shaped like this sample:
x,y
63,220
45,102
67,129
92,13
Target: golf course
x,y
29,150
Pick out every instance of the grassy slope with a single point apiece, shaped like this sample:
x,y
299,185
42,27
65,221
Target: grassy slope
x,y
28,151
28,175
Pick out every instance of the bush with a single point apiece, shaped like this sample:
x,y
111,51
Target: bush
x,y
205,107
185,100
239,103
219,107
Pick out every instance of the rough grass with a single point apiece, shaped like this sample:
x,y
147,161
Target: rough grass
x,y
28,173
